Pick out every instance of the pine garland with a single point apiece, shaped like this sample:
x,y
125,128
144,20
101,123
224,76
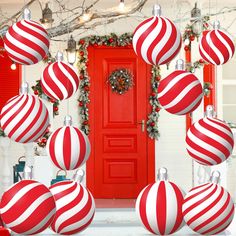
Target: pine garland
x,y
2,134
152,123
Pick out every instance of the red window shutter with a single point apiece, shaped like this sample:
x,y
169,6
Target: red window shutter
x,y
9,79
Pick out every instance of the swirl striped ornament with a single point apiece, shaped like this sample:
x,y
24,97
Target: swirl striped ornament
x,y
59,80
24,118
157,40
159,207
68,147
26,42
209,141
27,207
216,46
75,207
208,209
180,92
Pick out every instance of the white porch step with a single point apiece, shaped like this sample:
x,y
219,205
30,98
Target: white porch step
x,y
124,222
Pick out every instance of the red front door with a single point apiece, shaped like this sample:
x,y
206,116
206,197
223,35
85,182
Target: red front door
x,y
122,158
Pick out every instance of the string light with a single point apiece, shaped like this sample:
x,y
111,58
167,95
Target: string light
x,y
122,5
13,66
86,16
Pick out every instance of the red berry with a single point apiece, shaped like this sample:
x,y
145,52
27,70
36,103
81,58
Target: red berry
x,y
81,42
36,92
95,44
192,37
81,76
158,109
86,88
55,108
210,87
111,40
85,122
153,94
201,61
52,100
186,48
81,104
43,140
152,124
81,53
158,78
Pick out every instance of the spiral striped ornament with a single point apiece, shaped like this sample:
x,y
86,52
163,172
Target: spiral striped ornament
x,y
68,147
27,207
216,46
208,209
75,207
59,80
180,92
26,42
157,40
24,118
159,207
209,141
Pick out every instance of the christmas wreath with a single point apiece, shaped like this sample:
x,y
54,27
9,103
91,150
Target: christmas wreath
x,y
120,80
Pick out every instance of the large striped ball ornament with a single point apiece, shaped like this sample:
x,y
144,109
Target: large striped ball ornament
x,y
209,141
24,118
26,41
159,207
180,92
75,207
208,209
68,147
157,40
59,80
28,207
216,46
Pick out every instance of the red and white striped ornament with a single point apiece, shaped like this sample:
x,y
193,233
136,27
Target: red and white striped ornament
x,y
216,46
75,206
157,40
209,141
159,206
28,207
180,92
68,147
59,80
26,41
24,118
208,209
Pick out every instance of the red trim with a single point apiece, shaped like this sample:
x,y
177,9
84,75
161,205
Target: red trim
x,y
209,74
188,60
90,164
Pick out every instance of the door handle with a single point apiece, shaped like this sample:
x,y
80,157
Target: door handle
x,y
142,123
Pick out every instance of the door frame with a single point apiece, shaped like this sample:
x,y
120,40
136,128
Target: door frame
x,y
90,164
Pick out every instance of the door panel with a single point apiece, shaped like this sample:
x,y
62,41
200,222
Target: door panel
x,y
119,145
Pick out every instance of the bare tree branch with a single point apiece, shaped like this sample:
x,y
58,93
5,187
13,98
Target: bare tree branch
x,y
16,15
71,21
75,24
